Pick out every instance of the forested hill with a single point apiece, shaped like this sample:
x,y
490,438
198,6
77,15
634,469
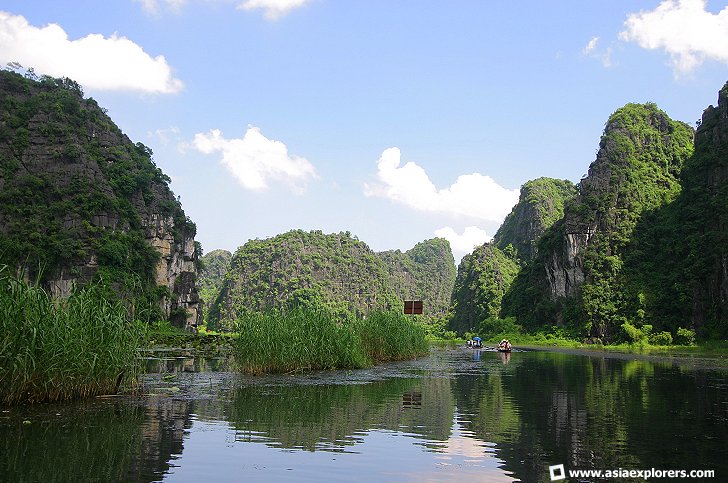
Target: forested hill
x,y
213,268
579,278
334,270
425,272
540,204
679,257
80,201
484,276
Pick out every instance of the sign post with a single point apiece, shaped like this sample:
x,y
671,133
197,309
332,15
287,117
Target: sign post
x,y
413,307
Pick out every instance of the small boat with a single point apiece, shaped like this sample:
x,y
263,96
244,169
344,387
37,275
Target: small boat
x,y
475,343
504,346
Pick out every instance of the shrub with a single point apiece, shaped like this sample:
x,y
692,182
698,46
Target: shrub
x,y
493,326
634,335
684,336
661,338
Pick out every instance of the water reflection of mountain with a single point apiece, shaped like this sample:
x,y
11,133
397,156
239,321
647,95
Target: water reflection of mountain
x,y
113,440
593,412
539,409
334,417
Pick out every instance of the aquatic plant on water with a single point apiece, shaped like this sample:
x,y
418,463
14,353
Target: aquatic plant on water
x,y
298,339
59,349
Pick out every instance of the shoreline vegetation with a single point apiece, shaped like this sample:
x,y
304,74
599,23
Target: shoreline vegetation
x,y
300,339
89,344
62,349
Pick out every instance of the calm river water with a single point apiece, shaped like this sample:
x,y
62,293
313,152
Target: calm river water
x,y
456,415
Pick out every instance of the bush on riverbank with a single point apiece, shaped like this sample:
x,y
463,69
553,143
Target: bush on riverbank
x,y
307,339
53,350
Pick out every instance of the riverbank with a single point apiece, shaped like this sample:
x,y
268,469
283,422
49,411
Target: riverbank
x,y
702,348
712,354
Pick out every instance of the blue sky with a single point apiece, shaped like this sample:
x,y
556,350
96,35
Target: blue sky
x,y
394,120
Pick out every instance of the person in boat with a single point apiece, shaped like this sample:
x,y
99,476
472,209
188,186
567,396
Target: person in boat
x,y
477,342
504,345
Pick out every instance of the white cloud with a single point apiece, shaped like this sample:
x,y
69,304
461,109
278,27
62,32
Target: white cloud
x,y
154,7
590,46
463,243
604,56
684,29
166,135
472,195
273,9
255,159
113,63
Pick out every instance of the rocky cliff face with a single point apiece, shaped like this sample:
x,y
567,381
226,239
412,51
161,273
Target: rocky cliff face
x,y
176,270
577,276
540,204
485,276
80,201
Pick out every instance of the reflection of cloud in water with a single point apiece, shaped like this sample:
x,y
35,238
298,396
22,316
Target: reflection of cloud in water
x,y
465,455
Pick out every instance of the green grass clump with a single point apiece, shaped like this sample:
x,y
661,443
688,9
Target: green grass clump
x,y
391,336
53,350
308,339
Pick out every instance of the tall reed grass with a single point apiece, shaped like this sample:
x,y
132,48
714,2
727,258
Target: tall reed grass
x,y
299,339
54,350
391,336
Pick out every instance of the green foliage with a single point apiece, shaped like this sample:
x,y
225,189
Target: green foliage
x,y
213,268
76,206
390,336
336,271
495,327
54,350
684,336
661,338
295,339
678,256
540,204
483,278
425,272
633,334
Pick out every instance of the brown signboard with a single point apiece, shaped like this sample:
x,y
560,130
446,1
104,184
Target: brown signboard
x,y
413,307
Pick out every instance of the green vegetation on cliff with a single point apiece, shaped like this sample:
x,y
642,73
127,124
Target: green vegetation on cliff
x,y
213,267
540,204
425,272
578,278
308,269
678,259
485,276
78,200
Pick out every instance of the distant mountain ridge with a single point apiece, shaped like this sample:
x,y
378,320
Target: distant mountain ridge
x,y
336,270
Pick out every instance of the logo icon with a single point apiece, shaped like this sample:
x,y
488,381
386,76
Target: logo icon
x,y
557,472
